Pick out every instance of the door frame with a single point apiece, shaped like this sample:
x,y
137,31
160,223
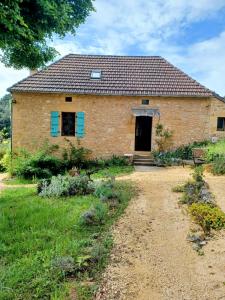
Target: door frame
x,y
150,135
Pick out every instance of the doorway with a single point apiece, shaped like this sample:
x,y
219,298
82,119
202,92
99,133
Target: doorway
x,y
143,133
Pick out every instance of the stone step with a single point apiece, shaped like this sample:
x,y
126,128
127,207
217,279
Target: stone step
x,y
143,158
144,163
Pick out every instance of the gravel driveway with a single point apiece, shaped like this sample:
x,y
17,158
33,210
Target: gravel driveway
x,y
151,259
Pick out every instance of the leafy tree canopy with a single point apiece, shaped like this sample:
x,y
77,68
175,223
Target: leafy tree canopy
x,y
26,25
5,114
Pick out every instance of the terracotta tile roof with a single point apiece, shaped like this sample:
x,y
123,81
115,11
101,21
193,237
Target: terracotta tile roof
x,y
121,75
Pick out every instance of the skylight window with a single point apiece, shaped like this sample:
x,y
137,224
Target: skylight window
x,y
96,74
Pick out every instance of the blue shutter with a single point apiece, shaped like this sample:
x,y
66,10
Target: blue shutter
x,y
54,123
80,124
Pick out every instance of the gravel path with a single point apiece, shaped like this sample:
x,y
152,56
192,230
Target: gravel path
x,y
3,176
151,259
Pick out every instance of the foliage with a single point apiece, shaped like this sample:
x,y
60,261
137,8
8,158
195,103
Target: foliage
x,y
175,157
115,160
25,27
105,190
75,156
207,216
114,171
42,164
178,189
166,158
218,165
4,148
95,215
163,138
42,241
5,112
215,150
197,190
65,185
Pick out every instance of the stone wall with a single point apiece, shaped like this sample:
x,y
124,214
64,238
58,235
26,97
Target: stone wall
x,y
217,110
109,123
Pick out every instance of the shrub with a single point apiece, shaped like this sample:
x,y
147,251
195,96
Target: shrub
x,y
95,215
65,185
166,158
207,216
175,157
4,148
218,165
178,189
75,156
107,192
163,138
64,264
41,164
116,160
197,190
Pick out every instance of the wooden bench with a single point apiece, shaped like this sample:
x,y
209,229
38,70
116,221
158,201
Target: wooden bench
x,y
198,155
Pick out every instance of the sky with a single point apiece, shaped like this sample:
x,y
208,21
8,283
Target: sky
x,y
190,34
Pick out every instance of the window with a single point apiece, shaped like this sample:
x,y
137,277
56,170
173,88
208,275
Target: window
x,y
68,124
96,74
221,124
145,102
68,99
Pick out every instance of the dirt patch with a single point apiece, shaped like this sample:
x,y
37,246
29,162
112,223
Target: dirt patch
x,y
151,259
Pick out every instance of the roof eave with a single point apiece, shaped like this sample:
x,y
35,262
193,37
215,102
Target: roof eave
x,y
129,94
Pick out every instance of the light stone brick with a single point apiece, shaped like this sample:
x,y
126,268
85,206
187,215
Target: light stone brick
x,y
109,123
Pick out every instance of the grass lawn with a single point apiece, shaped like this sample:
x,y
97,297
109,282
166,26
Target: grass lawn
x,y
17,181
216,149
36,232
115,171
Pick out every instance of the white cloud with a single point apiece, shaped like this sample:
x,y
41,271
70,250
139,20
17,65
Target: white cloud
x,y
206,61
9,76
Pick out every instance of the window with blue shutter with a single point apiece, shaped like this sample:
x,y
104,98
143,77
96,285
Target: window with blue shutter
x,y
54,123
80,119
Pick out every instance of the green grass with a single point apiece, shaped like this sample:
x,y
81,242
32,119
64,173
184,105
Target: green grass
x,y
215,149
35,230
114,171
18,181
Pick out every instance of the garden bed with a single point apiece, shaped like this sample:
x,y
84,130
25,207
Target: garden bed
x,y
47,251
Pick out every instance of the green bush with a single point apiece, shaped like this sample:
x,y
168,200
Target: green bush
x,y
207,216
75,156
41,164
95,215
4,148
65,185
197,190
181,153
218,165
215,151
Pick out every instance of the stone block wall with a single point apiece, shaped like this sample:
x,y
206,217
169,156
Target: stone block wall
x,y
109,122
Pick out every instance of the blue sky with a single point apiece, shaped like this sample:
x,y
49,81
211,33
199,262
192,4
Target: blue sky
x,y
190,34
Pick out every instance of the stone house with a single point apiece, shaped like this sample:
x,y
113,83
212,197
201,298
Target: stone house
x,y
111,105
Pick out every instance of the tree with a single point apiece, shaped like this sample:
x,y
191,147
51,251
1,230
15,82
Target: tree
x,y
27,25
5,115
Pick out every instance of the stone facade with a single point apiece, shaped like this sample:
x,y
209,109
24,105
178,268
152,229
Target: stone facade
x,y
109,122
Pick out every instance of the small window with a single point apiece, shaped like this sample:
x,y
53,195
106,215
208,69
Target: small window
x,y
221,124
68,99
68,124
96,74
145,102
